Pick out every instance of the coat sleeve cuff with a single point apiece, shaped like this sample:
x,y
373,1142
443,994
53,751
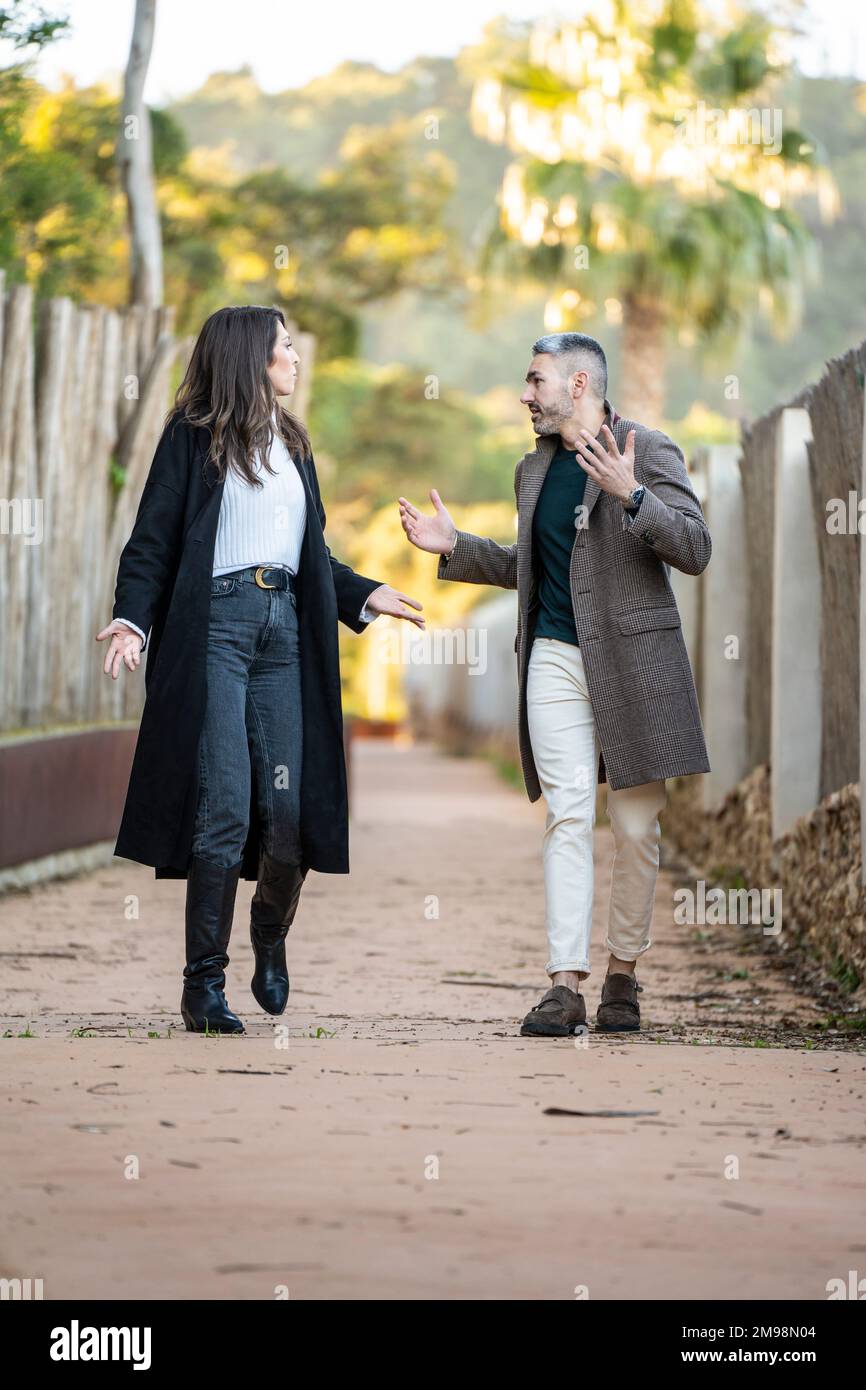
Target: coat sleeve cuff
x,y
354,590
648,520
458,564
135,628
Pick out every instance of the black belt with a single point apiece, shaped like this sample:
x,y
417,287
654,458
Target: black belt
x,y
268,578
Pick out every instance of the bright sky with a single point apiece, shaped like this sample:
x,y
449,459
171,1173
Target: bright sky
x,y
287,45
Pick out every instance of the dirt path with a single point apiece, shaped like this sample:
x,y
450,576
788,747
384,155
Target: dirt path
x,y
396,1141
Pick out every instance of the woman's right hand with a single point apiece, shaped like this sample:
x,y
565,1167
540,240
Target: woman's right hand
x,y
125,648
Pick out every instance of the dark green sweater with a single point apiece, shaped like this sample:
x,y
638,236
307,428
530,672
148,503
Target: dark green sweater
x,y
553,535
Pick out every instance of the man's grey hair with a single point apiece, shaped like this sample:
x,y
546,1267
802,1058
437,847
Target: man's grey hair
x,y
577,352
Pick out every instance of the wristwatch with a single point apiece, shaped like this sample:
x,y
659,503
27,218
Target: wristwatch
x,y
634,497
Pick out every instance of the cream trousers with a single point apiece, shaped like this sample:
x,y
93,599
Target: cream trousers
x,y
566,751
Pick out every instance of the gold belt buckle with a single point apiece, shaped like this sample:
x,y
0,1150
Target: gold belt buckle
x,y
260,581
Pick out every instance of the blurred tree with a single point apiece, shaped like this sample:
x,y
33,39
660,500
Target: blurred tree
x,y
362,232
27,25
134,156
62,214
382,431
674,207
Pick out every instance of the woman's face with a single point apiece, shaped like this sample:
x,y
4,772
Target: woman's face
x,y
283,366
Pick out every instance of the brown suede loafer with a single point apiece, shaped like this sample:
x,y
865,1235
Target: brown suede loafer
x,y
619,1011
559,1013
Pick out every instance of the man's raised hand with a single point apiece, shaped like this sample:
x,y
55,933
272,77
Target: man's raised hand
x,y
435,533
612,470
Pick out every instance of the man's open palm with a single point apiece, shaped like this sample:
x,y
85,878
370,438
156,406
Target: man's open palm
x,y
435,533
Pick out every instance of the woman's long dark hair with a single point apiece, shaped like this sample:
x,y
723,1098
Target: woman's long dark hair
x,y
227,389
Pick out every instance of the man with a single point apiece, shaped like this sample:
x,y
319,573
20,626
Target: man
x,y
604,509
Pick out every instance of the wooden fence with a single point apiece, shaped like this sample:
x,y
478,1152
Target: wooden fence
x,y
81,388
84,391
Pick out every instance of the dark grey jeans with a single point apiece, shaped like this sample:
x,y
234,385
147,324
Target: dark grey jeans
x,y
252,722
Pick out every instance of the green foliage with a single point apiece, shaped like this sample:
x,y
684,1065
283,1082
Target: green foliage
x,y
739,63
168,141
27,25
405,296
58,217
364,229
673,40
302,130
845,975
686,230
378,434
845,1023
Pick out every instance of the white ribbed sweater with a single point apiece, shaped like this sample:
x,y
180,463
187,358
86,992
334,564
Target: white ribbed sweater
x,y
261,525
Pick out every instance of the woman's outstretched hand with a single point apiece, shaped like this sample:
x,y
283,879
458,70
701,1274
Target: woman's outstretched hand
x,y
435,533
125,648
397,605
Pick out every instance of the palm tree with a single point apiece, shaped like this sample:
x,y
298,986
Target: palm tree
x,y
649,180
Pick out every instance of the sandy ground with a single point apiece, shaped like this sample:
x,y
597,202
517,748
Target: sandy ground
x,y
393,1136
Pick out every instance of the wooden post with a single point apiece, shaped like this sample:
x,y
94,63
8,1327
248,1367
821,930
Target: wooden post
x,y
863,664
725,617
795,710
21,488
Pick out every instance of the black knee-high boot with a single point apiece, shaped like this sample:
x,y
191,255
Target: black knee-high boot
x,y
272,912
210,901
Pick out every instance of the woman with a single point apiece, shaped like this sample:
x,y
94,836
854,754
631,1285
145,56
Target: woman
x,y
239,766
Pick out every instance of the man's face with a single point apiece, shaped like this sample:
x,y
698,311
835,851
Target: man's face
x,y
548,395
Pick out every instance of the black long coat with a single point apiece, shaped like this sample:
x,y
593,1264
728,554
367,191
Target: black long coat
x,y
163,585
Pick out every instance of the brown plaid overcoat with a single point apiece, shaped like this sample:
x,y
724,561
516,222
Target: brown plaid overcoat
x,y
637,669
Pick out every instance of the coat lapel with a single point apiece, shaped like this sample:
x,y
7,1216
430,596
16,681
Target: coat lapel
x,y
535,466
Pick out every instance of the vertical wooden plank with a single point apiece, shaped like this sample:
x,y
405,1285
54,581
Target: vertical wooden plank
x,y
836,413
66,556
147,337
2,311
757,470
126,403
24,557
54,351
79,422
862,638
95,688
8,366
165,320
85,465
18,326
137,448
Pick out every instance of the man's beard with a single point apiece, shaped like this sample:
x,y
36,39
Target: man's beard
x,y
552,417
